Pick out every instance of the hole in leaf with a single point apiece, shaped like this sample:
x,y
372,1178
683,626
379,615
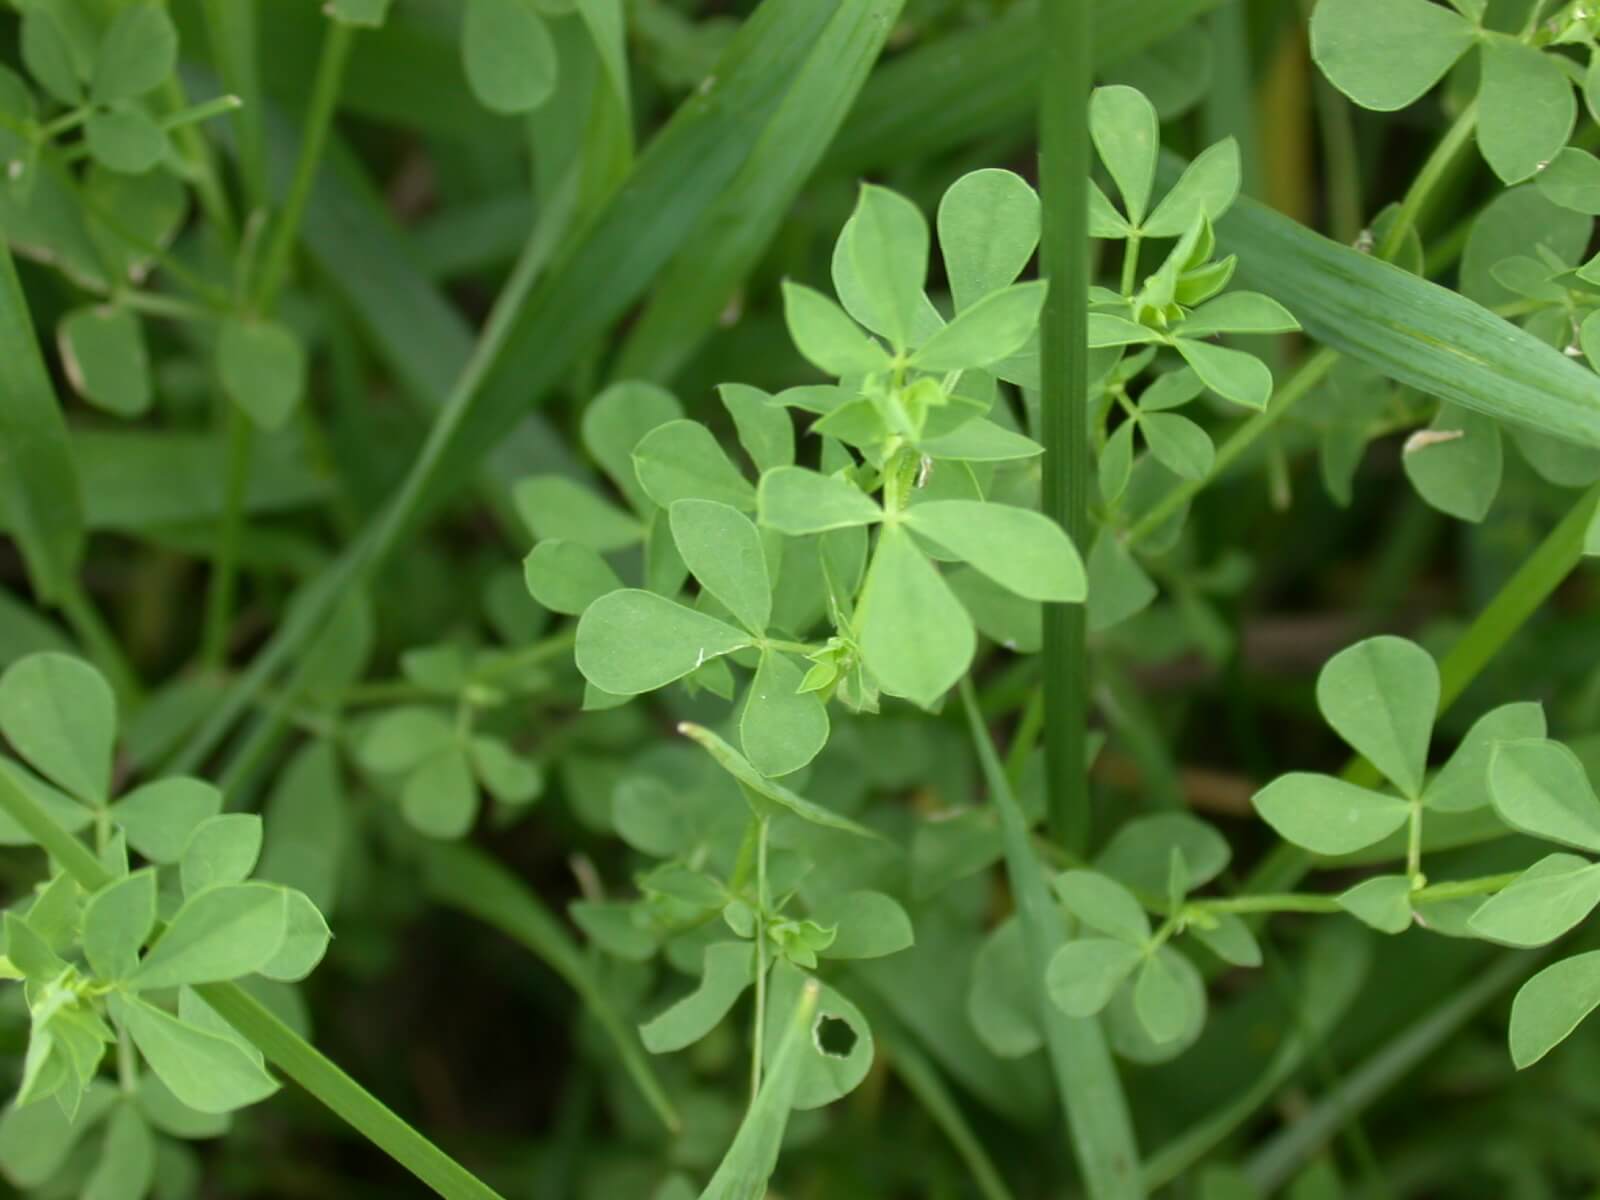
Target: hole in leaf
x,y
833,1036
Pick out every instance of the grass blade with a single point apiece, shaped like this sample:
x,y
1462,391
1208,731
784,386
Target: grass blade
x,y
477,885
981,81
38,482
749,1163
1415,332
696,287
1097,1111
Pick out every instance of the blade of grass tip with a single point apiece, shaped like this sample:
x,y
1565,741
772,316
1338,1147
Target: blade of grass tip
x,y
1063,334
751,1159
284,1048
532,334
697,287
976,82
1282,1156
1086,1077
923,1081
477,885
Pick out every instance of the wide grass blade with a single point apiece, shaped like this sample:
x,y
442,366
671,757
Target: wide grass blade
x,y
1097,1111
39,495
976,82
696,288
1415,332
474,883
750,1161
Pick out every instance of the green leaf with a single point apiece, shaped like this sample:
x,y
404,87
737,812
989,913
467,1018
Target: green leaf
x,y
826,336
39,494
262,368
682,461
308,825
1327,815
796,501
58,714
1551,1005
914,635
781,728
1240,312
125,140
1163,997
127,1161
1231,374
405,737
1208,187
1526,108
510,778
221,933
305,940
1456,464
1462,784
988,229
888,247
47,53
632,641
159,817
1572,180
614,928
991,329
1383,902
1544,902
728,968
1085,973
1127,135
138,52
1541,788
1104,905
555,508
508,54
1000,1002
839,1052
1118,586
103,355
363,14
756,784
567,577
1380,696
765,430
1018,548
440,798
722,549
1138,854
222,850
1179,444
869,924
1384,54
209,1073
116,921
36,1139
1230,939
613,423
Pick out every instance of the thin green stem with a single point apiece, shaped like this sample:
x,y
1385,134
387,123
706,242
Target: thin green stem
x,y
284,1048
1130,264
319,117
196,113
1064,259
1456,141
1270,902
225,557
1414,844
758,1034
202,164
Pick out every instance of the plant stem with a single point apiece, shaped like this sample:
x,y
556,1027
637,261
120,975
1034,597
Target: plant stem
x,y
759,1033
1064,261
284,1048
1440,163
319,116
1314,902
